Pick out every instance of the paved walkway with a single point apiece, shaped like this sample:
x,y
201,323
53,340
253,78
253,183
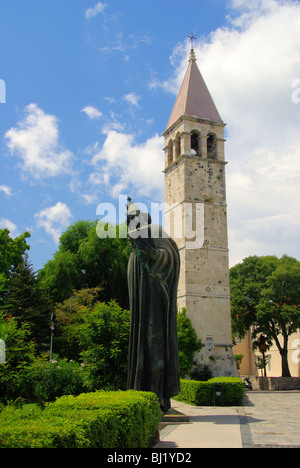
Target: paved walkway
x,y
267,419
273,418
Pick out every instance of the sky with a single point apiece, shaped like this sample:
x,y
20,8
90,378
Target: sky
x,y
86,91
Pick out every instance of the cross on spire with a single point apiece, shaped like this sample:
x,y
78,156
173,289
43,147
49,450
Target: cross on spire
x,y
192,37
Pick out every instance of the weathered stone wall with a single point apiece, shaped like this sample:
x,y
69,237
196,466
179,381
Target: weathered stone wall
x,y
275,383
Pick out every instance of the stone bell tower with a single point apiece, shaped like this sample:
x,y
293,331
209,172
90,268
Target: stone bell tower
x,y
196,217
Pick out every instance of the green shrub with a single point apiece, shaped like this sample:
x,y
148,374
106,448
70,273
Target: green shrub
x,y
92,420
42,433
201,393
201,372
188,343
104,336
51,380
234,389
20,353
138,414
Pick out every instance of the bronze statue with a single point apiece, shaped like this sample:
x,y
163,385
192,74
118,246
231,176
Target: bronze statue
x,y
153,272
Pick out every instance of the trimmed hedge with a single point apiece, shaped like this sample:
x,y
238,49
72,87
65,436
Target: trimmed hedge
x,y
201,393
91,420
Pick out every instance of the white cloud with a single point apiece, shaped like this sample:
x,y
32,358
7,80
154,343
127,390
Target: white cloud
x,y
110,99
132,99
250,67
36,141
7,224
95,10
54,220
7,190
89,198
124,44
124,165
92,112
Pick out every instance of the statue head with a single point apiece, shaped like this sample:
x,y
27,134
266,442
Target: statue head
x,y
135,218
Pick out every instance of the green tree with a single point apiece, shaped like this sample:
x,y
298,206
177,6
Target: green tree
x,y
247,281
20,353
188,343
75,234
263,344
11,251
70,314
104,336
84,325
265,294
83,260
28,303
3,290
61,275
278,311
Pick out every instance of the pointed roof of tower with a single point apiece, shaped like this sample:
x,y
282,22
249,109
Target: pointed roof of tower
x,y
194,98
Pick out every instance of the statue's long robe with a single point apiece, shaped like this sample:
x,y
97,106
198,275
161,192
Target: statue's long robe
x,y
153,352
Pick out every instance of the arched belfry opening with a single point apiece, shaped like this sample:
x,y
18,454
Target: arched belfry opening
x,y
170,152
195,144
212,146
177,146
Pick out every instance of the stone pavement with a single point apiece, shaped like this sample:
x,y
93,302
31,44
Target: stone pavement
x,y
274,418
267,419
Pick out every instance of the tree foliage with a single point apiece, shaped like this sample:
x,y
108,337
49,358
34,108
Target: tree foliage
x,y
11,251
84,260
265,294
188,343
20,353
247,281
104,337
28,303
98,333
70,314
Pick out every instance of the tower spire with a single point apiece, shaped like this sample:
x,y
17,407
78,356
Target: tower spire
x,y
192,37
194,98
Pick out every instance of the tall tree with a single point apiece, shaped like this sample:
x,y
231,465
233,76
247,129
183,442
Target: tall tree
x,y
265,294
278,311
11,251
263,344
28,303
61,275
247,281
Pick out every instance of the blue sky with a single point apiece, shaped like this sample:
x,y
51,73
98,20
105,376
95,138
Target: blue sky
x,y
89,90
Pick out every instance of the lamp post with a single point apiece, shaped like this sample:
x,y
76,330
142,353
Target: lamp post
x,y
52,329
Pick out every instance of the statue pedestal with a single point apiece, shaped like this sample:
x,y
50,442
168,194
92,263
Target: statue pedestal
x,y
174,417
